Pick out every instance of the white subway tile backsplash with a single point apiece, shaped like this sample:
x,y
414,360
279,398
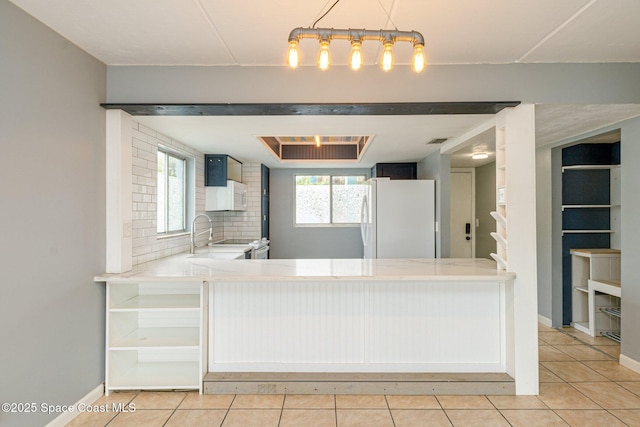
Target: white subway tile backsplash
x,y
147,131
147,246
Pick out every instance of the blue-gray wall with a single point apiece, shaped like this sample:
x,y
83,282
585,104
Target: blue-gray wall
x,y
630,212
437,166
52,217
289,241
613,83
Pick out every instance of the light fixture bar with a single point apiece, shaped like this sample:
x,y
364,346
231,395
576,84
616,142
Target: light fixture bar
x,y
338,34
356,37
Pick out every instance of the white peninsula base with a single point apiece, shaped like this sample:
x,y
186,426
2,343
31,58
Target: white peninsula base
x,y
347,323
357,326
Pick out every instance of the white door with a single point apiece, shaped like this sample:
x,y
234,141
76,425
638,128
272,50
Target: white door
x,y
462,232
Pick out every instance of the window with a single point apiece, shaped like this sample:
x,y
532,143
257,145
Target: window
x,y
326,199
171,192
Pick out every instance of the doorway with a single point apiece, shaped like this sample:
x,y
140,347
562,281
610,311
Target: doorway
x,y
462,223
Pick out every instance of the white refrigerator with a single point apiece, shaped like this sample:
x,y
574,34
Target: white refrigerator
x,y
398,219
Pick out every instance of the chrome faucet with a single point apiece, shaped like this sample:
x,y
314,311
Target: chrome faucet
x,y
192,248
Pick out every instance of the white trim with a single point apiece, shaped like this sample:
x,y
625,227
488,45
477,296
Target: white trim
x,y
66,417
119,226
628,362
545,321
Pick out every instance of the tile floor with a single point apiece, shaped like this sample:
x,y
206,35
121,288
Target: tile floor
x,y
581,384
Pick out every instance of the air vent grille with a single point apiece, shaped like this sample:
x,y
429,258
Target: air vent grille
x,y
437,140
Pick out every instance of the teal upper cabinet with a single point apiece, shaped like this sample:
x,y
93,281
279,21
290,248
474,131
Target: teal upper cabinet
x,y
218,168
395,170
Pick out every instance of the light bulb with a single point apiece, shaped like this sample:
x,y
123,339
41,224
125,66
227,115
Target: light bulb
x,y
419,60
317,138
387,57
293,59
356,55
323,57
480,156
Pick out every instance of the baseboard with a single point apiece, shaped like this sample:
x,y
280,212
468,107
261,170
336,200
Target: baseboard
x,y
66,417
628,362
545,321
468,383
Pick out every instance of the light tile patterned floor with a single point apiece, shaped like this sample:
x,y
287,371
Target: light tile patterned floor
x,y
581,384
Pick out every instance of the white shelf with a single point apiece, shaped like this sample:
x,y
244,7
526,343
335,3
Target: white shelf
x,y
587,206
154,336
585,290
157,375
586,231
590,167
502,263
498,238
499,218
158,337
159,302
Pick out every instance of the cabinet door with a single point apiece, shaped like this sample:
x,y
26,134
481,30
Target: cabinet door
x,y
396,170
264,182
264,210
215,167
265,217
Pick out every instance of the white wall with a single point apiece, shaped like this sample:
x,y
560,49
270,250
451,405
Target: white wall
x,y
52,217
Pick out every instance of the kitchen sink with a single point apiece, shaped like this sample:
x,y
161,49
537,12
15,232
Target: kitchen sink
x,y
219,255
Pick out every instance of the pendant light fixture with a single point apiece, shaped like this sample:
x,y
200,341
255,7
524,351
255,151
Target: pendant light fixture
x,y
387,37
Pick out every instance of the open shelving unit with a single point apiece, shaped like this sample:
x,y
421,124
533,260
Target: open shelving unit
x,y
155,336
596,291
500,214
591,208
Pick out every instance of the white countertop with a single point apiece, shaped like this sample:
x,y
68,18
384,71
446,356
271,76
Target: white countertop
x,y
182,267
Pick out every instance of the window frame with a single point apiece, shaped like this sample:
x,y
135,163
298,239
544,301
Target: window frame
x,y
330,223
168,152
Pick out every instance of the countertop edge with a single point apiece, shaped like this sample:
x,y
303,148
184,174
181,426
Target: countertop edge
x,y
186,267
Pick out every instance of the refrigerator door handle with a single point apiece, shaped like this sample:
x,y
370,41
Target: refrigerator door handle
x,y
364,220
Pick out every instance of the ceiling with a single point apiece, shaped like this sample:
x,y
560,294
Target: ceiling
x,y
255,32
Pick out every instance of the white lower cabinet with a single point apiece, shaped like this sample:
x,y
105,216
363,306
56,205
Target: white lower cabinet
x,y
156,336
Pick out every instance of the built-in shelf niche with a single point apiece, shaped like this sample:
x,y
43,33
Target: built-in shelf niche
x,y
500,214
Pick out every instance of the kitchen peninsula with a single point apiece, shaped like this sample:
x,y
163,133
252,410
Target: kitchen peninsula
x,y
174,321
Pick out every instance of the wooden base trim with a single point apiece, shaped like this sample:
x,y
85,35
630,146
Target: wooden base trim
x,y
359,383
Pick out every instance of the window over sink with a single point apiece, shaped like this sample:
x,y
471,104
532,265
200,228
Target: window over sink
x,y
328,199
172,192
